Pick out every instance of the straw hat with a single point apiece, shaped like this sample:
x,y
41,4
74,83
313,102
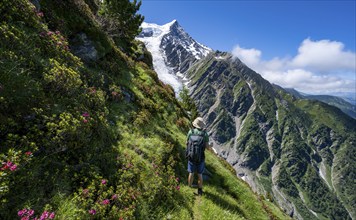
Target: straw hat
x,y
199,123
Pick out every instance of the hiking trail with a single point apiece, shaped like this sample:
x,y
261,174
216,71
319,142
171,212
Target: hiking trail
x,y
197,208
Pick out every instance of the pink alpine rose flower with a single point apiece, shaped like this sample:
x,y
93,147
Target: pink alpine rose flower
x,y
52,215
22,212
31,212
44,215
113,197
13,167
92,211
105,202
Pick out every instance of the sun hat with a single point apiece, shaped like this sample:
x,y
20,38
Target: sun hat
x,y
199,123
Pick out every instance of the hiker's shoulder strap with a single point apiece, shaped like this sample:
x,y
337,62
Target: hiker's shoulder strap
x,y
189,133
201,133
197,132
206,136
194,132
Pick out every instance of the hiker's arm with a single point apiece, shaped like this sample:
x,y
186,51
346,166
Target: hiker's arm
x,y
208,146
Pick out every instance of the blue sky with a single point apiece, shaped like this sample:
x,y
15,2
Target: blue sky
x,y
308,45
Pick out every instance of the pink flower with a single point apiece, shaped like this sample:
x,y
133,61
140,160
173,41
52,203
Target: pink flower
x,y
85,121
85,191
4,167
21,212
44,215
92,211
9,163
58,32
85,114
28,153
13,167
113,197
52,215
25,218
105,202
178,187
103,181
31,212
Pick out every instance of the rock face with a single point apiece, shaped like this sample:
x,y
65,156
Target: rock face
x,y
181,50
277,143
84,48
300,152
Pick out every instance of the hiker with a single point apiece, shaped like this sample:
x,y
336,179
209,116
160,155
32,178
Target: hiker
x,y
197,142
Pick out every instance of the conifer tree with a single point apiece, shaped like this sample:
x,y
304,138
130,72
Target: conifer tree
x,y
120,19
188,103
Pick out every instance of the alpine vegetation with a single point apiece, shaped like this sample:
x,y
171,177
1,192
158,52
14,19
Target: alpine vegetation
x,y
89,131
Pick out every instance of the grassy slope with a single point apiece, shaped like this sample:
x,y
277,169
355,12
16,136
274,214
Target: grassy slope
x,y
134,139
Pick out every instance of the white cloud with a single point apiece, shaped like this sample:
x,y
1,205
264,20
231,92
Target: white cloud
x,y
306,81
324,56
320,67
249,56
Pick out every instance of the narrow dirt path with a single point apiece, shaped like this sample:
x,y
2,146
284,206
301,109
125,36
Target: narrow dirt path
x,y
197,208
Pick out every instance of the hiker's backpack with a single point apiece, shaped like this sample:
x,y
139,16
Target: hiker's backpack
x,y
195,146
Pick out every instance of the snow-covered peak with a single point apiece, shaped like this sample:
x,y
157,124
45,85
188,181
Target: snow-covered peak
x,y
155,30
174,33
152,35
173,51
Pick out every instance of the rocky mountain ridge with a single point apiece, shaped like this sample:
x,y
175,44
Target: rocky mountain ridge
x,y
299,151
345,106
272,143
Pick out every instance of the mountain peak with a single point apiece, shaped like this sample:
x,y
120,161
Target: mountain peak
x,y
174,22
170,25
152,30
173,50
